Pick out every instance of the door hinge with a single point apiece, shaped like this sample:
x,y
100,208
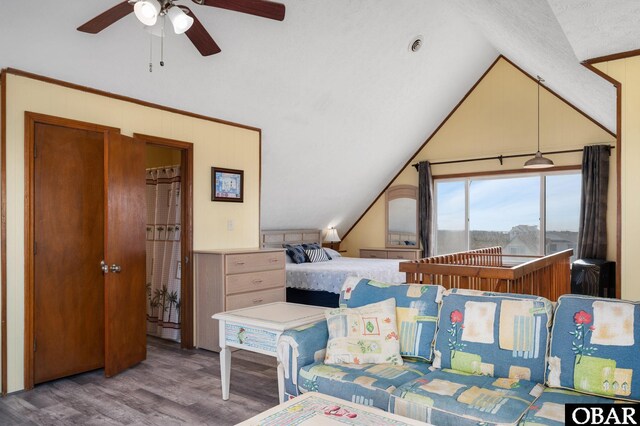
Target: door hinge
x,y
34,344
186,260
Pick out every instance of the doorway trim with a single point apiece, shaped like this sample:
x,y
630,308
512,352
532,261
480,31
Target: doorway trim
x,y
186,243
30,120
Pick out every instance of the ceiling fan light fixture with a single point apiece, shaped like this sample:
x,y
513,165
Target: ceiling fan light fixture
x,y
147,11
181,21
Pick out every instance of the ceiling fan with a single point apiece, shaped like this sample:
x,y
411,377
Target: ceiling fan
x,y
182,18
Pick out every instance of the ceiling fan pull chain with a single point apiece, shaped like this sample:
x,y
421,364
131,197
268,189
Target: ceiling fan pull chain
x,y
150,52
162,43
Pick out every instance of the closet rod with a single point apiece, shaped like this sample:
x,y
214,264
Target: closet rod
x,y
162,167
502,157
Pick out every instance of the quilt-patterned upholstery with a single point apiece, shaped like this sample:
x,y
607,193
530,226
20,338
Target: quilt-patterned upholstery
x,y
595,347
495,335
548,410
298,347
416,310
367,384
492,357
449,397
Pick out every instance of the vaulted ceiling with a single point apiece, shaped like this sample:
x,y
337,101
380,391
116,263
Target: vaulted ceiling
x,y
341,100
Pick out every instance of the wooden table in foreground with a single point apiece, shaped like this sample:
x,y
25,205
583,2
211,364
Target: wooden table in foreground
x,y
316,409
257,329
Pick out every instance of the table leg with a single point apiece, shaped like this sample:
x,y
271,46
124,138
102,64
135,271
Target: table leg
x,y
225,371
280,381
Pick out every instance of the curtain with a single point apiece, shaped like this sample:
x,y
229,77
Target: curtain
x,y
425,206
163,252
592,229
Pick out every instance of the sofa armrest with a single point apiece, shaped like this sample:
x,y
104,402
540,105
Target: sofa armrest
x,y
297,348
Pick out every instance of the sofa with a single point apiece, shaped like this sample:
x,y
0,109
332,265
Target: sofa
x,y
478,358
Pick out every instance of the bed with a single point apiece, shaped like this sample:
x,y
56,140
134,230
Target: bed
x,y
320,283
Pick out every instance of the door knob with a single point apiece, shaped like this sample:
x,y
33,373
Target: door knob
x,y
115,268
104,267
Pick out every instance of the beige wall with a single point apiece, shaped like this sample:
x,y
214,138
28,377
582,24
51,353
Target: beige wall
x,y
159,156
215,144
498,117
627,72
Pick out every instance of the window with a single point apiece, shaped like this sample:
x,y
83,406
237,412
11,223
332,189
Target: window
x,y
529,214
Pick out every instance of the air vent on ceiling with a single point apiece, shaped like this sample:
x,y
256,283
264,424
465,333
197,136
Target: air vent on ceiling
x,y
416,43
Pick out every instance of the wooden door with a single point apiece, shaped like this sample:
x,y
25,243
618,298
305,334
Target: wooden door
x,y
68,247
125,297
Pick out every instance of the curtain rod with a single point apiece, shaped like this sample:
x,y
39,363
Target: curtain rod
x,y
502,157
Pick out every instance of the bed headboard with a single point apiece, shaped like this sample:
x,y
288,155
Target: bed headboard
x,y
276,238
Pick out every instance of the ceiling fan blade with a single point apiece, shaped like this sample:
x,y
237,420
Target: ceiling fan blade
x,y
107,18
200,38
263,8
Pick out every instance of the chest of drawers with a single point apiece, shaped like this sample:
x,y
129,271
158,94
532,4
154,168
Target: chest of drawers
x,y
390,253
234,279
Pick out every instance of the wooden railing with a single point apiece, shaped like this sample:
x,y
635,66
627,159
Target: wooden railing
x,y
488,269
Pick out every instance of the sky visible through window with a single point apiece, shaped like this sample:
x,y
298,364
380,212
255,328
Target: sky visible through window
x,y
505,211
501,204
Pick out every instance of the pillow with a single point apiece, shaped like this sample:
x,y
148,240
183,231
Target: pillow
x,y
317,255
311,246
364,335
332,253
296,253
417,308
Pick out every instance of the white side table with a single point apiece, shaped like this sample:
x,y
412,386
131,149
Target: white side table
x,y
257,329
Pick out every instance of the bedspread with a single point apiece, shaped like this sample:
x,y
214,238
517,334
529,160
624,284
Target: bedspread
x,y
329,276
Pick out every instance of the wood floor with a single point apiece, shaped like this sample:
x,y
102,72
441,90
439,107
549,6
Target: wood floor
x,y
172,386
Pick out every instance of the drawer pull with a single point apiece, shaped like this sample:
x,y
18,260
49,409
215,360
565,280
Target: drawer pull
x,y
256,282
256,301
239,263
399,257
273,260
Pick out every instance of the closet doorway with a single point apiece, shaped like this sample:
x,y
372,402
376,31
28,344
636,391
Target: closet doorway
x,y
169,239
84,249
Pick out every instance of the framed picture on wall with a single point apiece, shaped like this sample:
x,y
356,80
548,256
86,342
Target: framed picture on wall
x,y
227,185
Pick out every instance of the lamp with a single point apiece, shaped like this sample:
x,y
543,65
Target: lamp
x,y
332,237
180,20
538,162
147,11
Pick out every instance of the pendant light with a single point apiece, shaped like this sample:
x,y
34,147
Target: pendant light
x,y
538,162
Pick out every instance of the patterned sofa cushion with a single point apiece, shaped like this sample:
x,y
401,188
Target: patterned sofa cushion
x,y
595,347
367,384
448,397
498,335
416,310
548,410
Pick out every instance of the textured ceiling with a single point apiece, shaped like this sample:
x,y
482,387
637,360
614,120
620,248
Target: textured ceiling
x,y
597,28
528,33
341,100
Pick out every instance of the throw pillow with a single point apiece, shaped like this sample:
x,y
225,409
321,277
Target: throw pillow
x,y
314,246
296,253
316,255
417,308
364,335
310,246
